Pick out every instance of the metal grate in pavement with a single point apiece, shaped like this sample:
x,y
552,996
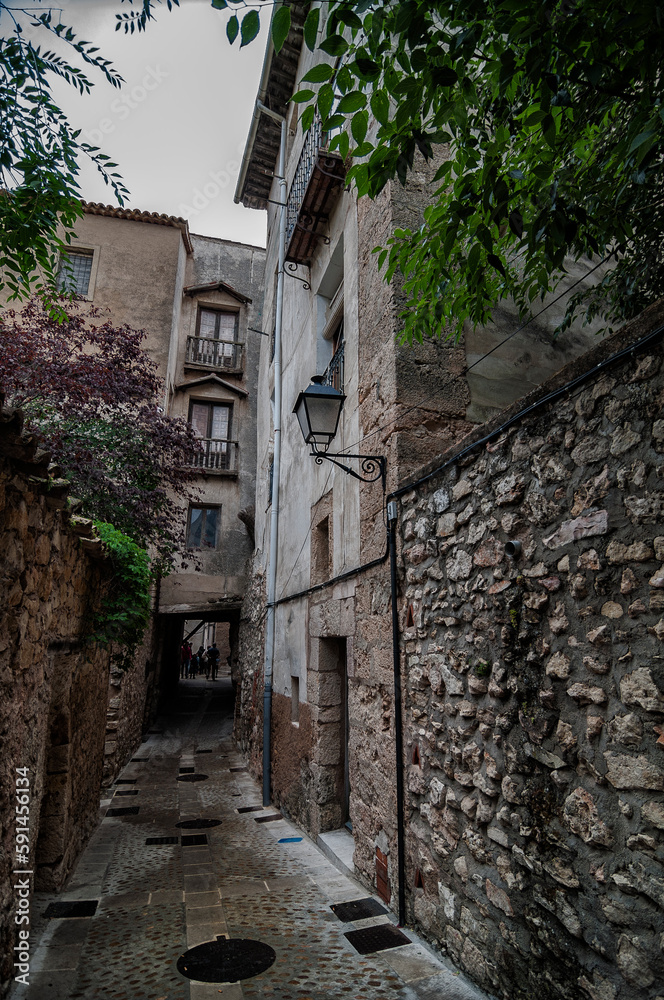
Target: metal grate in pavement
x,y
161,840
125,781
236,769
192,777
250,809
268,819
139,760
202,751
198,824
358,909
194,840
187,770
73,908
378,938
124,811
226,960
128,791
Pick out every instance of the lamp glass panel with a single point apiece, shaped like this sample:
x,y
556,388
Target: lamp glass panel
x,y
301,414
323,416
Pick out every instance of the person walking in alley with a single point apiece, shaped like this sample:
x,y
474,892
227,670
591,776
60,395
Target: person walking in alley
x,y
213,657
194,666
185,659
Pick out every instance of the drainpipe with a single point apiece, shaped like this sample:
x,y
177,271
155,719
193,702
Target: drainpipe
x,y
398,727
274,512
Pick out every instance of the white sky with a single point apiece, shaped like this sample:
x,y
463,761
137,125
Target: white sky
x,y
178,126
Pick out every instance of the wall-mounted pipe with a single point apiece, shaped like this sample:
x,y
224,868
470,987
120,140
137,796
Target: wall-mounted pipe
x,y
392,514
513,549
274,512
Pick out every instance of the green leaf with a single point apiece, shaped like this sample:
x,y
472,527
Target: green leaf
x,y
232,28
281,23
307,117
251,25
350,103
380,106
359,126
302,96
319,73
219,4
368,68
311,28
325,100
335,45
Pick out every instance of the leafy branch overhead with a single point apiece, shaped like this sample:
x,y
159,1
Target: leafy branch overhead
x,y
39,149
544,128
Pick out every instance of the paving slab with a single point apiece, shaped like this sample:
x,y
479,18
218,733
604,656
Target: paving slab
x,y
156,901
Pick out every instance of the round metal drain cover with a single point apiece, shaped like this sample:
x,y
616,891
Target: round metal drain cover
x,y
226,960
192,777
198,824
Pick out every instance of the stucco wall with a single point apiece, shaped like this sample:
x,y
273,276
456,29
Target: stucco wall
x,y
535,694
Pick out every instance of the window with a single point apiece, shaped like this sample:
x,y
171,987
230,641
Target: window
x,y
215,343
75,272
211,422
334,374
202,527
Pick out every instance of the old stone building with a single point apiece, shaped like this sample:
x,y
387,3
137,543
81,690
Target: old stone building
x,y
199,300
331,759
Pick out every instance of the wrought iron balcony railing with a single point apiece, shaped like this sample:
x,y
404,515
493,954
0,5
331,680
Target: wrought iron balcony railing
x,y
334,373
217,455
318,176
215,353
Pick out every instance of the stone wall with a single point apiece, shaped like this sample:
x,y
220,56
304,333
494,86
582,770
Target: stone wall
x,y
53,687
534,688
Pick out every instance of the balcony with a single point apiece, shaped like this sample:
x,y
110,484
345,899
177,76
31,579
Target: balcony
x,y
334,373
217,456
204,352
315,186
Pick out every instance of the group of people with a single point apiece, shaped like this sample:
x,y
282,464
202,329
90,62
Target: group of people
x,y
203,661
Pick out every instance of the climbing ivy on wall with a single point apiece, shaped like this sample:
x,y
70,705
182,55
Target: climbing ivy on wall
x,y
124,614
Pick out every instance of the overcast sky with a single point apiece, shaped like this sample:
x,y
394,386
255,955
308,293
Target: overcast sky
x,y
178,126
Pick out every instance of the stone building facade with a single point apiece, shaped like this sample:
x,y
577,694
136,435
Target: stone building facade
x,y
53,686
535,688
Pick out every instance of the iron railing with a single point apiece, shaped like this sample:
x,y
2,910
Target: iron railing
x,y
313,140
217,455
215,353
334,373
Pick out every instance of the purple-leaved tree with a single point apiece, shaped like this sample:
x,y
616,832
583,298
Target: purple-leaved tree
x,y
91,390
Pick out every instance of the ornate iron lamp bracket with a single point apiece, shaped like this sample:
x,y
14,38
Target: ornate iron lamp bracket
x,y
373,466
290,269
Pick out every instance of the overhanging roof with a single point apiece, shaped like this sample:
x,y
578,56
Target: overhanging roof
x,y
215,380
216,286
136,215
275,90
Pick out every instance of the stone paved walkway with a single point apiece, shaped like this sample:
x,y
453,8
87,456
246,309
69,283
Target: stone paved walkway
x,y
248,879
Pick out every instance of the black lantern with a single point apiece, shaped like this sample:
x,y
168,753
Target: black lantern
x,y
318,409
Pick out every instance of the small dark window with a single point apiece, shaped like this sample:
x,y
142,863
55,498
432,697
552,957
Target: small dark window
x,y
202,527
295,699
75,271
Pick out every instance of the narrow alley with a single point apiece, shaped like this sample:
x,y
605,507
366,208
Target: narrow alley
x,y
184,855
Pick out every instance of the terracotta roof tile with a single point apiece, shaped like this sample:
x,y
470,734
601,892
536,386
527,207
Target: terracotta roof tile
x,y
156,218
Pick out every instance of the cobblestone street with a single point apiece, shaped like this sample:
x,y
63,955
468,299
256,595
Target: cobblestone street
x,y
185,854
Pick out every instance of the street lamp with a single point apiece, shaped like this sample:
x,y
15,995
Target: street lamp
x,y
318,409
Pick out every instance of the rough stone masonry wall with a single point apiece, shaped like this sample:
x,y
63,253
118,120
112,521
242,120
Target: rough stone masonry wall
x,y
53,688
535,695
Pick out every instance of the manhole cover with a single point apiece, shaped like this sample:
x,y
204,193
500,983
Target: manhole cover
x,y
198,824
268,819
226,960
358,909
125,811
194,840
161,840
378,938
192,777
76,908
